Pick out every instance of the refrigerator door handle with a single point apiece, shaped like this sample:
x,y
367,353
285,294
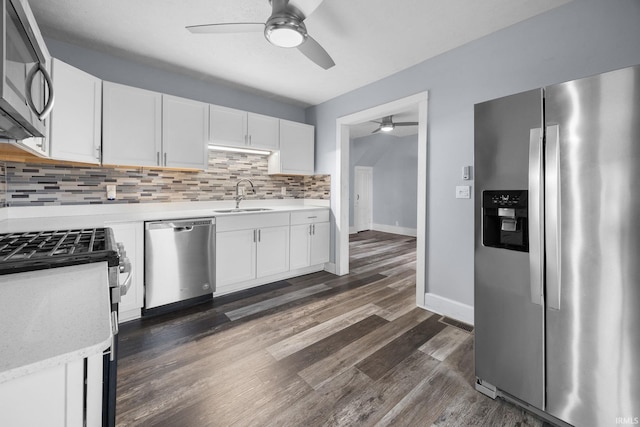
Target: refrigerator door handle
x,y
552,215
536,215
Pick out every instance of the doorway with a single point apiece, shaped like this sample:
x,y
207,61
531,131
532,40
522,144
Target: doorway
x,y
362,198
340,187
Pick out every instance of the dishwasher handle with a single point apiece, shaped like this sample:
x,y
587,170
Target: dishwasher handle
x,y
180,225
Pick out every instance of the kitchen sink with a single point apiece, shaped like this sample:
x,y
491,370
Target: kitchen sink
x,y
238,210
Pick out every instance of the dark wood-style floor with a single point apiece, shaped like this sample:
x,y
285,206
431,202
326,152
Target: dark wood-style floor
x,y
311,351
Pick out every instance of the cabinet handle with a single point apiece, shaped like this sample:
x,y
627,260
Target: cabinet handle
x,y
158,158
249,139
254,236
98,153
314,229
165,159
309,229
259,236
311,217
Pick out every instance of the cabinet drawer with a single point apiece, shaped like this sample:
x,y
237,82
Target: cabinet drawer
x,y
243,222
310,217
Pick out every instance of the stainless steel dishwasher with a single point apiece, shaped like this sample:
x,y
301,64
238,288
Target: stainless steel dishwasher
x,y
179,260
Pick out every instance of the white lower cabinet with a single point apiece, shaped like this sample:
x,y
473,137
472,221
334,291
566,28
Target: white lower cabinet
x,y
131,235
250,247
272,249
309,238
235,257
54,397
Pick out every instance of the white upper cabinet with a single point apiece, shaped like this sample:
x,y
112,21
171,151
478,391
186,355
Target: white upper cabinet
x,y
263,131
132,126
237,128
75,122
228,126
296,155
145,128
185,130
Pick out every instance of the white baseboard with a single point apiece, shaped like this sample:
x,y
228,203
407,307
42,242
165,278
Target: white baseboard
x,y
449,308
330,267
404,231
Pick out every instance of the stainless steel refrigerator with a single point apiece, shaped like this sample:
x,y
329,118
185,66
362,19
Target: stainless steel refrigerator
x,y
557,249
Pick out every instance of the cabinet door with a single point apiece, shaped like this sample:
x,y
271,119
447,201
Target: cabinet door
x,y
264,131
185,130
49,397
273,251
320,243
296,148
132,126
300,235
75,122
228,126
131,235
235,257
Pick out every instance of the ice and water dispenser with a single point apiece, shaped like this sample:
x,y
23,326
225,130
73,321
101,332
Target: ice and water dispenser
x,y
504,219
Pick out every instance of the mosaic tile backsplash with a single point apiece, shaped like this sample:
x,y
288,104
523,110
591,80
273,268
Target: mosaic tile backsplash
x,y
27,184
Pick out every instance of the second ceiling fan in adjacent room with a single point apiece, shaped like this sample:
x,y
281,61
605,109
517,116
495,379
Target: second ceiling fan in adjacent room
x,y
284,28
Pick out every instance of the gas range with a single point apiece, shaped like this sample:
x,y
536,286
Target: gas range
x,y
39,250
29,251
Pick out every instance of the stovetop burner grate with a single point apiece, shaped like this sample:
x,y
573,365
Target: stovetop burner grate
x,y
45,249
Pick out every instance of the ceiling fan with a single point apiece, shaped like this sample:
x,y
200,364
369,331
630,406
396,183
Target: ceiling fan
x,y
284,28
387,124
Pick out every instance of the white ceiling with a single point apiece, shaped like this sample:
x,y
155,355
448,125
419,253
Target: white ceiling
x,y
368,39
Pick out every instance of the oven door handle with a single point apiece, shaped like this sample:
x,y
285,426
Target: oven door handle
x,y
125,267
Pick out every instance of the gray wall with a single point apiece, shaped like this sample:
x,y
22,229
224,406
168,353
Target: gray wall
x,y
119,70
581,38
395,177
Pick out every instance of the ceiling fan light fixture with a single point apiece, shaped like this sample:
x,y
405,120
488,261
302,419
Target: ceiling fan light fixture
x,y
285,31
386,127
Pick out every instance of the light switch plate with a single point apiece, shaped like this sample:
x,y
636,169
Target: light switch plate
x,y
463,192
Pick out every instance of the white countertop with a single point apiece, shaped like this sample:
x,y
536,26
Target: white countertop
x,y
14,219
50,317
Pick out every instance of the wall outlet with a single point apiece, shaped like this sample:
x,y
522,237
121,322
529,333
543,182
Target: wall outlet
x,y
283,191
111,192
463,192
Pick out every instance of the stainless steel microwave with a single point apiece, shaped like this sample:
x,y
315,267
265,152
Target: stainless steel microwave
x,y
26,90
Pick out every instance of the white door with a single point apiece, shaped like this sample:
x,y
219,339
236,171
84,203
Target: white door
x,y
185,131
363,198
296,148
272,251
227,126
299,255
131,126
263,131
235,257
320,243
75,125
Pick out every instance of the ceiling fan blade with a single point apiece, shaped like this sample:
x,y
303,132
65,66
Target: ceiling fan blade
x,y
406,124
312,50
236,27
377,130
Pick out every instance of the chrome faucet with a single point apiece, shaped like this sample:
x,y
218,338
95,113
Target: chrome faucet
x,y
240,197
